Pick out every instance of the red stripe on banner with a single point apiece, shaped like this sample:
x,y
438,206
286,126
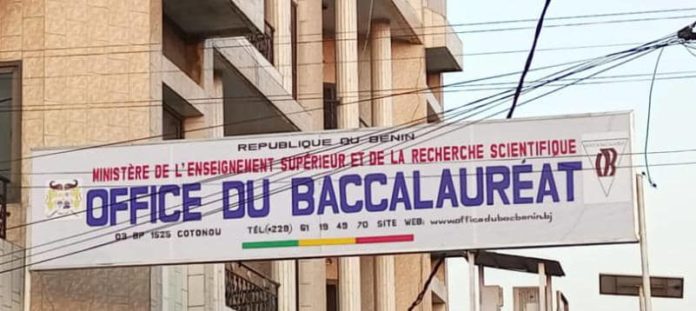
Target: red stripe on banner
x,y
384,239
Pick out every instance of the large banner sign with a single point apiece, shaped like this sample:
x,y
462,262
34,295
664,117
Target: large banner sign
x,y
438,187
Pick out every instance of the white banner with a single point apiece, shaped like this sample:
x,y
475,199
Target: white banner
x,y
497,184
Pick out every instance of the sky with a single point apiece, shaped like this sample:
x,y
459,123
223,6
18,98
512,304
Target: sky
x,y
671,216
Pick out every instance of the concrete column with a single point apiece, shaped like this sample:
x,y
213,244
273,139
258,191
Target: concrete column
x,y
310,55
367,281
381,69
348,117
312,272
472,281
380,43
283,272
385,297
542,287
347,63
349,284
481,284
549,293
312,284
279,14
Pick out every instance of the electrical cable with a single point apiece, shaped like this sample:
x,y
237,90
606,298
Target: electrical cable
x,y
578,16
109,233
562,87
588,83
97,185
66,255
560,48
287,97
681,73
572,83
426,285
490,97
444,86
578,24
689,50
282,97
530,56
660,164
200,101
453,89
128,47
665,164
692,163
647,125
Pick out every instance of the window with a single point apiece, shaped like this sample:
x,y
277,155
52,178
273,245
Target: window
x,y
331,297
10,129
330,106
172,124
293,32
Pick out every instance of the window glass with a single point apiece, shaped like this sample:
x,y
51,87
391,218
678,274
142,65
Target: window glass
x,y
5,123
9,132
172,125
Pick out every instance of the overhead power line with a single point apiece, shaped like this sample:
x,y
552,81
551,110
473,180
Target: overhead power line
x,y
642,51
215,100
583,83
601,79
445,86
561,48
128,48
454,89
101,185
620,21
509,21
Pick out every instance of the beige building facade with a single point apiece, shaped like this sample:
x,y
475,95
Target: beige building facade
x,y
93,72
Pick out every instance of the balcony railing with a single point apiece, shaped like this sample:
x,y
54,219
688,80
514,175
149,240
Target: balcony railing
x,y
249,290
3,207
264,42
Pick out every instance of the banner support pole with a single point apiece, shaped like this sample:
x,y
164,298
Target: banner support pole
x,y
647,294
473,302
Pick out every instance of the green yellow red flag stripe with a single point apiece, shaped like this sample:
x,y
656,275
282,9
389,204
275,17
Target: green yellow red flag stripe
x,y
329,241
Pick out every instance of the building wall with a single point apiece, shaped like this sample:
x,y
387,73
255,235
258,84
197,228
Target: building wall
x,y
105,56
12,283
408,75
94,55
186,55
92,289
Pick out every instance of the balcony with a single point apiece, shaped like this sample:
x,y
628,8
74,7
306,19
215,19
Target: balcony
x,y
255,99
215,18
443,47
405,19
263,42
249,290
